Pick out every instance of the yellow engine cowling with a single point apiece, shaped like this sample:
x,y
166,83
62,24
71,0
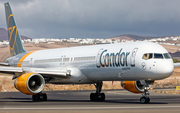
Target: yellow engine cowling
x,y
30,83
133,86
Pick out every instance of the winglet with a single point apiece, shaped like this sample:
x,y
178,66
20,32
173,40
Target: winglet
x,y
15,43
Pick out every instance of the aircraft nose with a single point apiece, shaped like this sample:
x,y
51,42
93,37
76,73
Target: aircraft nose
x,y
165,68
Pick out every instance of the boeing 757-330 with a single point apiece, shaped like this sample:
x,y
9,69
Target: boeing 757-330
x,y
136,64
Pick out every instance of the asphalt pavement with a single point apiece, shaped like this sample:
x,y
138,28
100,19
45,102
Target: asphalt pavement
x,y
79,102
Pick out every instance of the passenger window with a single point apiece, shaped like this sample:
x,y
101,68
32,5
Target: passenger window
x,y
167,56
159,56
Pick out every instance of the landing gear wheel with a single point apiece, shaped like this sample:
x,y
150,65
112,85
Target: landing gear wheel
x,y
148,100
36,98
39,97
102,97
44,97
144,100
97,97
92,97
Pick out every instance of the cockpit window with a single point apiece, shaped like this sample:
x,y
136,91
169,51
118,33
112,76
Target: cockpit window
x,y
145,56
167,56
148,56
157,55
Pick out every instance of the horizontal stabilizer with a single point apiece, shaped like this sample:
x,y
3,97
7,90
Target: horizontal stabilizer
x,y
4,64
176,64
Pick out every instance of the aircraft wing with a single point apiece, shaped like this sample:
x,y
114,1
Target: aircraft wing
x,y
43,71
176,64
8,69
52,72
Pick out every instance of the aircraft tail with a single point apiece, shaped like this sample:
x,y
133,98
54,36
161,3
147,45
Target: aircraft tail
x,y
15,43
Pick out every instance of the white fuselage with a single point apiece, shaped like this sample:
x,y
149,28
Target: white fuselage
x,y
108,62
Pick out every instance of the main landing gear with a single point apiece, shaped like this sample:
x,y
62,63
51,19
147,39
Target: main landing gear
x,y
145,99
39,97
98,96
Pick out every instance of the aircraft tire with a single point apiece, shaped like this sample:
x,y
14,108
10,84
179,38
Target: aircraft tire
x,y
36,98
97,97
44,97
39,97
102,97
147,100
92,97
144,100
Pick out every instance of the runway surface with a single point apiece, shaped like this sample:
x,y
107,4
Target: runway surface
x,y
78,102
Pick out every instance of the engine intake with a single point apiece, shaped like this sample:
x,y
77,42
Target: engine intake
x,y
30,83
136,86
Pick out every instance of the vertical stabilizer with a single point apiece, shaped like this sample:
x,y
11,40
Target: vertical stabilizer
x,y
15,43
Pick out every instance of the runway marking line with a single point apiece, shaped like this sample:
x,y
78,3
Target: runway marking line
x,y
61,93
86,108
120,92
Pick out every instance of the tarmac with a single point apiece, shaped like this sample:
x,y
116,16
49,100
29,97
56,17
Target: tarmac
x,y
79,102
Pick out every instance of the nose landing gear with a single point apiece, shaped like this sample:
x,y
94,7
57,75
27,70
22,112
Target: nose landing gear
x,y
145,99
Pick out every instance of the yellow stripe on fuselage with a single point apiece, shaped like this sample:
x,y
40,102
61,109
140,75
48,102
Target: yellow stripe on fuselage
x,y
22,59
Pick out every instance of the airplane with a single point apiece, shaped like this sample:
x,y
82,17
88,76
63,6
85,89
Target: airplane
x,y
136,64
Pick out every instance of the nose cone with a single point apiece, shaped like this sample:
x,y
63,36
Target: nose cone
x,y
165,68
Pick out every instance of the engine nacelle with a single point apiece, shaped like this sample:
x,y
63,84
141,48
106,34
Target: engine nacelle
x,y
30,83
136,86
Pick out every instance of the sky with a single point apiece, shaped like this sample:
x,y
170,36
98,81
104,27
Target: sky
x,y
94,18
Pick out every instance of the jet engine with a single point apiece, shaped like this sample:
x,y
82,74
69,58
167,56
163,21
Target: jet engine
x,y
30,83
136,86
